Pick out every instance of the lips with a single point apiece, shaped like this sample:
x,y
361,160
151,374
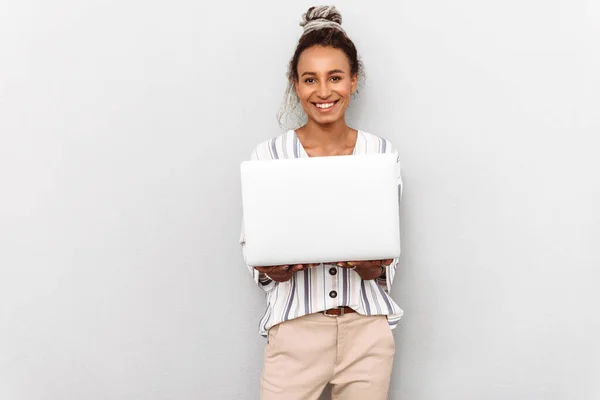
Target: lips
x,y
324,107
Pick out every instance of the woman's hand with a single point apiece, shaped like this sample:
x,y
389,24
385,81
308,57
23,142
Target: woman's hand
x,y
367,270
283,273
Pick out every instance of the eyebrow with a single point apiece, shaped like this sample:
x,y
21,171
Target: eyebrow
x,y
333,71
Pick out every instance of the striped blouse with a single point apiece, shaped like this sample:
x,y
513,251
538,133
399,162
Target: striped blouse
x,y
325,286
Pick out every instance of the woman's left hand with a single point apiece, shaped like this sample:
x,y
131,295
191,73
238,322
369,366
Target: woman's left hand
x,y
367,270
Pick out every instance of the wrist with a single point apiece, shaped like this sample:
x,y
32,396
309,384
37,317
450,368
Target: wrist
x,y
368,274
279,277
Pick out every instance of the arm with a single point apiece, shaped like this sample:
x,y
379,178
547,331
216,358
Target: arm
x,y
382,271
387,278
263,281
267,278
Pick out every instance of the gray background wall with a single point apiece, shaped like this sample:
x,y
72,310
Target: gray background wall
x,y
122,127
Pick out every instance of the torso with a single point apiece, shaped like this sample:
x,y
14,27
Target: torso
x,y
308,292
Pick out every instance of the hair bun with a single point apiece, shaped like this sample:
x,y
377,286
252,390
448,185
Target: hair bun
x,y
322,13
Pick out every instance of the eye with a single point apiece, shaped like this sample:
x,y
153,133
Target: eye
x,y
309,80
336,78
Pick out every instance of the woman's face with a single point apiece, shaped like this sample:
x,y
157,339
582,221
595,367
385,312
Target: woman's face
x,y
324,84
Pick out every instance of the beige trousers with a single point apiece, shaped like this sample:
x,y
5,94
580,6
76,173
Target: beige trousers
x,y
352,352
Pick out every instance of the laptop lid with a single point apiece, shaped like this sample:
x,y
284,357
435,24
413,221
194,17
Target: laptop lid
x,y
320,209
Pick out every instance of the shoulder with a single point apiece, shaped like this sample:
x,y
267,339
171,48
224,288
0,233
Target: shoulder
x,y
281,146
370,143
373,144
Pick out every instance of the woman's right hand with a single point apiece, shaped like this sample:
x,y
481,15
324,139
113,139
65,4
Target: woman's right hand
x,y
283,273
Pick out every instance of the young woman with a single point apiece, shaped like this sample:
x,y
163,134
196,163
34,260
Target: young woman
x,y
326,323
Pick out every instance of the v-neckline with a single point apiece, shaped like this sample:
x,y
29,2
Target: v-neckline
x,y
304,154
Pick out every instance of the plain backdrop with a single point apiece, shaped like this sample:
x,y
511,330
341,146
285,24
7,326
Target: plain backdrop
x,y
122,126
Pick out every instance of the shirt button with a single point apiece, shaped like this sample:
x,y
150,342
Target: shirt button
x,y
333,271
333,294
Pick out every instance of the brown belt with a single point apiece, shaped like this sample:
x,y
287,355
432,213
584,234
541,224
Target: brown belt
x,y
336,312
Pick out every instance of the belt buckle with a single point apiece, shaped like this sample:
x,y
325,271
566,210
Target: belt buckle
x,y
334,315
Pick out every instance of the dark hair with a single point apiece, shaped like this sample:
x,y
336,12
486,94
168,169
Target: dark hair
x,y
326,36
322,27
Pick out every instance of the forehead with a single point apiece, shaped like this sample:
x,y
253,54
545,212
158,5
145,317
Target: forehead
x,y
320,59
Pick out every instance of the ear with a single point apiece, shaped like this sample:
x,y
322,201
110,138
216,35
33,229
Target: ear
x,y
354,82
296,85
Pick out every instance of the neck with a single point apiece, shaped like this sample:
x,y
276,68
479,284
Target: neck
x,y
325,136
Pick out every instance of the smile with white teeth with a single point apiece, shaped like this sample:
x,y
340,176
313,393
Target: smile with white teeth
x,y
325,105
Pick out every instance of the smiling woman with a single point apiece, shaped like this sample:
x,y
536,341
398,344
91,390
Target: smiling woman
x,y
306,349
325,83
323,34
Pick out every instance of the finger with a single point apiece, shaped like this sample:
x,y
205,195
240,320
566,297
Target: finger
x,y
272,269
386,263
308,266
297,267
364,264
284,269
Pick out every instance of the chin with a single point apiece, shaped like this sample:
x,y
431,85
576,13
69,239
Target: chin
x,y
326,119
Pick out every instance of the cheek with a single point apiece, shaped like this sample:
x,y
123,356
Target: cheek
x,y
347,91
303,94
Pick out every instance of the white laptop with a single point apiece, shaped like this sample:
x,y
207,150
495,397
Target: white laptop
x,y
320,209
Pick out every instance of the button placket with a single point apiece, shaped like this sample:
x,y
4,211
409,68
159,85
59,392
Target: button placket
x,y
333,287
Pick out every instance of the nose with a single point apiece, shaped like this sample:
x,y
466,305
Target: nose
x,y
323,90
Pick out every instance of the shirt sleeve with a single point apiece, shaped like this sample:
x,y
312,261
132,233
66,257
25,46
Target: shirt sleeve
x,y
263,281
386,280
